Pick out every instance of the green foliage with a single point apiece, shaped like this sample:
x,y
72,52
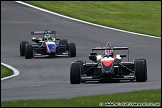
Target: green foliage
x,y
5,71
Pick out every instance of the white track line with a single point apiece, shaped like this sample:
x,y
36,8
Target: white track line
x,y
84,21
16,72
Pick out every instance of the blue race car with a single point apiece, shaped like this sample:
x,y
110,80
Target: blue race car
x,y
47,45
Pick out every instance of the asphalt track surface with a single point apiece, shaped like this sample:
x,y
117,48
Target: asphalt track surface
x,y
46,78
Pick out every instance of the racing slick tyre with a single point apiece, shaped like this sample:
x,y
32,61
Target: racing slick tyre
x,y
81,63
28,51
140,70
72,49
75,73
64,42
22,47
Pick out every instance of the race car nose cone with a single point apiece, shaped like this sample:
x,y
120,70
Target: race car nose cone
x,y
107,65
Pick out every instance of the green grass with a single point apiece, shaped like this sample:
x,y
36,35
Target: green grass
x,y
5,71
136,16
153,96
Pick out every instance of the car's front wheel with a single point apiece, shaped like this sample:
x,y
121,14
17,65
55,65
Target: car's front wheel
x,y
75,73
140,70
28,51
22,47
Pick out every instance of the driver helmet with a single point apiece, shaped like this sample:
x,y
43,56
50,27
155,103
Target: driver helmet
x,y
47,37
108,53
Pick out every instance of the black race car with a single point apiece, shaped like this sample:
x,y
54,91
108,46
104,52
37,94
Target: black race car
x,y
108,67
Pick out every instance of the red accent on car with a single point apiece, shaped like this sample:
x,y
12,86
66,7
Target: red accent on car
x,y
47,49
107,62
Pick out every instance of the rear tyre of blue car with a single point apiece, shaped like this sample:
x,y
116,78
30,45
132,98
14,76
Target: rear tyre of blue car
x,y
75,73
64,42
72,49
28,51
22,47
140,70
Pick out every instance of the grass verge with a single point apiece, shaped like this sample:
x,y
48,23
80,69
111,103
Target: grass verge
x,y
136,16
147,96
5,71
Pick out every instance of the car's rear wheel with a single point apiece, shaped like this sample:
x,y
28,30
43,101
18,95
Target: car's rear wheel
x,y
75,73
28,51
72,49
64,42
22,47
140,70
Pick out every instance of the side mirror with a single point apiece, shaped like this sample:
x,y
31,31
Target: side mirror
x,y
93,53
93,58
122,55
53,39
41,41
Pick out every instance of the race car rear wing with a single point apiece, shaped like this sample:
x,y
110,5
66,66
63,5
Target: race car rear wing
x,y
108,48
43,32
112,48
